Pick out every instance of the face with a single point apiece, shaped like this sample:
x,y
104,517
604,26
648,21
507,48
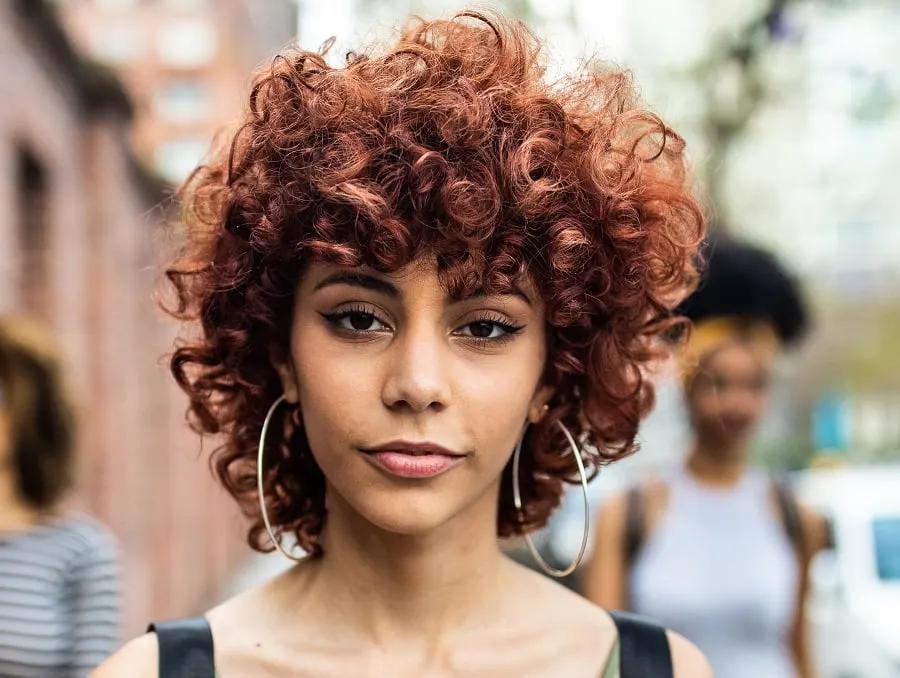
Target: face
x,y
412,402
728,396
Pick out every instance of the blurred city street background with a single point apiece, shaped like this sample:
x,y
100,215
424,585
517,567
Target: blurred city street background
x,y
791,110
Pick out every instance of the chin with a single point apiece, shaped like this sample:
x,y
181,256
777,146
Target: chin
x,y
408,511
741,436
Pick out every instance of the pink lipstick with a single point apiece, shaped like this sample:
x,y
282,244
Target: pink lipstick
x,y
413,460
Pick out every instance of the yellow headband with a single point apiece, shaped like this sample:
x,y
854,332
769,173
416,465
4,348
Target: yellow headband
x,y
707,336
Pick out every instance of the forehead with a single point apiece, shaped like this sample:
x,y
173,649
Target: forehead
x,y
736,358
424,273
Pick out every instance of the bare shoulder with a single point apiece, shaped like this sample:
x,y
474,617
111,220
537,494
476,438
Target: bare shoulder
x,y
615,506
236,617
597,627
593,631
558,603
578,633
687,660
137,659
594,627
815,527
651,489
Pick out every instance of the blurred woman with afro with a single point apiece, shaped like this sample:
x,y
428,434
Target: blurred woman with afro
x,y
716,549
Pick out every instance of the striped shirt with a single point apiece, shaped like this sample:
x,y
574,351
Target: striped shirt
x,y
59,599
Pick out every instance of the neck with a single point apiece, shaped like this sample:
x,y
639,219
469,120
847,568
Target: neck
x,y
722,468
413,589
15,514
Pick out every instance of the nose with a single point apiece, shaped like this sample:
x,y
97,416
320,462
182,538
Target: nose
x,y
417,376
740,403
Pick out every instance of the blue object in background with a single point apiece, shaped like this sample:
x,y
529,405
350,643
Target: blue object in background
x,y
887,548
829,423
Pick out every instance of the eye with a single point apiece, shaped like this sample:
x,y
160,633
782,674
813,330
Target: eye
x,y
483,330
355,320
488,329
361,321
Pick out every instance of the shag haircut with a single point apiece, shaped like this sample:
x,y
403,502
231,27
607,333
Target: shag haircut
x,y
451,144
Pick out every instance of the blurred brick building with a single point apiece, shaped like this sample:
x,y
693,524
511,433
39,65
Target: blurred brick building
x,y
185,63
80,234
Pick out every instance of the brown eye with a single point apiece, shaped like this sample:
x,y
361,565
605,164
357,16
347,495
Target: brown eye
x,y
488,330
356,321
361,321
482,330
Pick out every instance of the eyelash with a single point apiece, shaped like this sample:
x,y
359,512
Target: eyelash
x,y
509,330
335,318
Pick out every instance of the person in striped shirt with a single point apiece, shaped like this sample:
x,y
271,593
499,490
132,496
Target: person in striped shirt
x,y
59,581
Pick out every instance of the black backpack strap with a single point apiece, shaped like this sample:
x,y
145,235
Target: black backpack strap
x,y
828,529
185,648
790,513
635,521
643,647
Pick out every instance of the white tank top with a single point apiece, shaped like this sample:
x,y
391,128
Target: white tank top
x,y
720,570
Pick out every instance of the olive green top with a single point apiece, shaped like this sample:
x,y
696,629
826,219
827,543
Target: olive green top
x,y
612,664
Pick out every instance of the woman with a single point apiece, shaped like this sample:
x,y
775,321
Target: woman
x,y
59,590
734,541
405,269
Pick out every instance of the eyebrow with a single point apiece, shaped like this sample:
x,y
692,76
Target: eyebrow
x,y
513,291
375,284
362,280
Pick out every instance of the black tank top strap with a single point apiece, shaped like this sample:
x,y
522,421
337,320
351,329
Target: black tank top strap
x,y
185,648
643,647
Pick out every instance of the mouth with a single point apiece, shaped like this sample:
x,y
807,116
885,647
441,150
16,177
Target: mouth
x,y
404,459
736,424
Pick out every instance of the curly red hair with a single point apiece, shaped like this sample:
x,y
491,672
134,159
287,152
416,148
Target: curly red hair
x,y
450,144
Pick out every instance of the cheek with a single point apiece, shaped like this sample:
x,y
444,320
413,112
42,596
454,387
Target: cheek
x,y
704,402
758,400
493,403
493,398
332,389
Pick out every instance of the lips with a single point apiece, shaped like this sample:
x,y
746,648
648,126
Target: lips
x,y
412,460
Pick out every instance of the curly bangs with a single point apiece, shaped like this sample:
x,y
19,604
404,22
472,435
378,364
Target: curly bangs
x,y
450,144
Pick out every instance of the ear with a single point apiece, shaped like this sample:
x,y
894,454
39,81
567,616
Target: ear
x,y
284,366
538,407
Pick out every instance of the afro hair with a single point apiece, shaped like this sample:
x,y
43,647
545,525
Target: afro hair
x,y
744,281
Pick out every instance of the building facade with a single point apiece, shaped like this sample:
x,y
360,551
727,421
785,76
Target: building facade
x,y
81,229
187,64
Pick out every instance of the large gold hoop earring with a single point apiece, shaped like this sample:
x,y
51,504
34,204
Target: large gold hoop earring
x,y
517,501
259,481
